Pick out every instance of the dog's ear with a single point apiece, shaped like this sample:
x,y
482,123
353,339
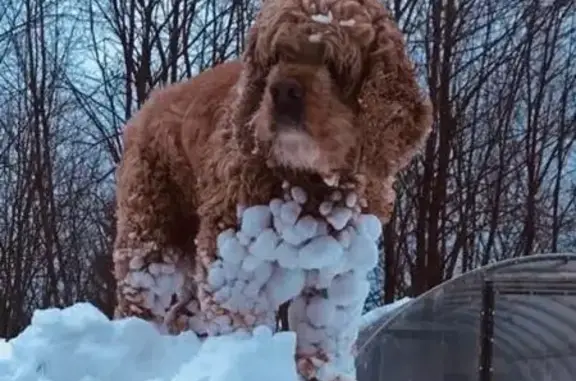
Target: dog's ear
x,y
250,89
395,117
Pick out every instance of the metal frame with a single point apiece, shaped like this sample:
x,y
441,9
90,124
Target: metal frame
x,y
485,368
510,278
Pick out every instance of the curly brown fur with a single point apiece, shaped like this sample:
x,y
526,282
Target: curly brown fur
x,y
365,52
323,102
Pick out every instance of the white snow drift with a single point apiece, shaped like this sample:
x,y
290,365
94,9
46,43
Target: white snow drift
x,y
79,343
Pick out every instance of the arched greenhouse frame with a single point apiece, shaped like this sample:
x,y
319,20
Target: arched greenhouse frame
x,y
514,320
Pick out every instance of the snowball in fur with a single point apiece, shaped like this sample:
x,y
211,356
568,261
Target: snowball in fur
x,y
325,208
263,272
216,275
342,316
290,212
255,219
345,316
336,196
349,22
140,279
223,237
244,275
323,251
252,289
293,236
250,263
179,280
275,206
307,348
339,217
369,225
342,368
154,268
238,301
307,227
165,284
322,228
299,195
278,224
165,300
363,253
167,268
231,270
351,199
345,236
315,38
262,305
222,294
155,305
348,288
312,277
287,255
243,238
331,345
320,311
283,285
260,276
309,334
222,320
231,250
136,263
197,324
323,19
325,275
265,245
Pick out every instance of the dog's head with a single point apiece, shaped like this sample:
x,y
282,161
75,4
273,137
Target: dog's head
x,y
303,119
327,86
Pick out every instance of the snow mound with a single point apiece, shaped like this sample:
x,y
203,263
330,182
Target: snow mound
x,y
375,315
79,343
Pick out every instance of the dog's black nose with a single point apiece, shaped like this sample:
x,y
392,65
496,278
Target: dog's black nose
x,y
287,91
288,97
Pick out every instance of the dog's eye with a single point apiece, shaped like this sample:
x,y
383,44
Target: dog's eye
x,y
333,72
340,84
336,77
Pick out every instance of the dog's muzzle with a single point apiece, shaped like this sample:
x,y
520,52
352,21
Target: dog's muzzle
x,y
288,96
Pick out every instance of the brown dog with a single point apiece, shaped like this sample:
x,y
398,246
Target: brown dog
x,y
258,182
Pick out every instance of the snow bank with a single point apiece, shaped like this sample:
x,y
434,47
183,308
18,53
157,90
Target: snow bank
x,y
376,314
79,343
5,350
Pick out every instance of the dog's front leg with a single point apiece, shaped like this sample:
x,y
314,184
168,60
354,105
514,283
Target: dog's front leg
x,y
326,322
152,263
232,275
326,315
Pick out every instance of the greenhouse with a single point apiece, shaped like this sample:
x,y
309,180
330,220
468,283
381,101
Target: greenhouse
x,y
511,321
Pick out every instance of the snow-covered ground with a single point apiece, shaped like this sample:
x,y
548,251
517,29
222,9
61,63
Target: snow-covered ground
x,y
79,343
376,314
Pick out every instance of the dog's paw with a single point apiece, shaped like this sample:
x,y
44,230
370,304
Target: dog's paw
x,y
319,368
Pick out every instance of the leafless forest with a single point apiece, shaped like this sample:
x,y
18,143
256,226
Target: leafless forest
x,y
495,180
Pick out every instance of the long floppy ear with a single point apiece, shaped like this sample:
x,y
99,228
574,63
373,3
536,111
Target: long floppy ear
x,y
395,116
250,89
